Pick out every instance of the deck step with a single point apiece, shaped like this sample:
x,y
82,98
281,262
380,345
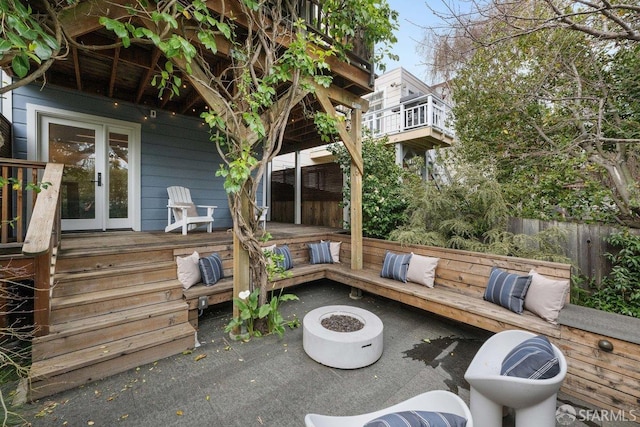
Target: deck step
x,y
103,302
78,334
98,259
74,283
83,366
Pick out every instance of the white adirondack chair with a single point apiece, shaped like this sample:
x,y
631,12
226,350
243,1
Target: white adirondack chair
x,y
184,213
261,214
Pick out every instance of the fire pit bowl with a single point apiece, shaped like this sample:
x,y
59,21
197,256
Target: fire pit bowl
x,y
343,350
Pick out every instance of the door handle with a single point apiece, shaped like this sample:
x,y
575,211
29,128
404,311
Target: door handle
x,y
99,181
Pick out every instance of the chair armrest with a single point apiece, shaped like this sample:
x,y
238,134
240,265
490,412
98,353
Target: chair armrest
x,y
210,209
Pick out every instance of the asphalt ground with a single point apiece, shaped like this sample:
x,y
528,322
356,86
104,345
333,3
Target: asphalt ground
x,y
271,381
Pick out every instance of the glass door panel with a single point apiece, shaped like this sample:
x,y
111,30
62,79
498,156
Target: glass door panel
x,y
118,180
78,147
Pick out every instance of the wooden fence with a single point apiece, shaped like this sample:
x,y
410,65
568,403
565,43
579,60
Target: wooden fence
x,y
585,244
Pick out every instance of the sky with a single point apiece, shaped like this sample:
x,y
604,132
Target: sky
x,y
413,16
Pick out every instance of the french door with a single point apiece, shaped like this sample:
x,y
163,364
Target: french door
x,y
97,181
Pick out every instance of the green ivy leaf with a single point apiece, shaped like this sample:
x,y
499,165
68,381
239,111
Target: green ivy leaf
x,y
20,65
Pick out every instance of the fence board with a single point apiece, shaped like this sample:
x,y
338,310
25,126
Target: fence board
x,y
585,244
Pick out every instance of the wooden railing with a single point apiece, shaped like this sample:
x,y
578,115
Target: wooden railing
x,y
17,176
311,12
42,241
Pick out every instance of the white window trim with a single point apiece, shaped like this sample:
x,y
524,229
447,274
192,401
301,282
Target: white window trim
x,y
6,105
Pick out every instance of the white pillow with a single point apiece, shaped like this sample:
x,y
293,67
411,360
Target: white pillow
x,y
334,247
188,270
422,269
270,248
546,297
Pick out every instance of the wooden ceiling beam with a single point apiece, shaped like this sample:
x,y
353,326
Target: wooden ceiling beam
x,y
192,99
114,71
146,78
76,67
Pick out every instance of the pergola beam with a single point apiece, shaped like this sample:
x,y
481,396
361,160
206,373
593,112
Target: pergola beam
x,y
347,138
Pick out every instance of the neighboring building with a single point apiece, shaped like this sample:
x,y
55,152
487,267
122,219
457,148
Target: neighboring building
x,y
412,114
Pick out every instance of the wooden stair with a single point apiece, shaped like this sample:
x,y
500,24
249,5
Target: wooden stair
x,y
112,309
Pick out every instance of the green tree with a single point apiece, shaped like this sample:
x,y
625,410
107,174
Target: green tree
x,y
549,113
386,186
274,62
470,213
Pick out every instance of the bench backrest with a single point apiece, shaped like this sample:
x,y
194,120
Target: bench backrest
x,y
463,271
297,246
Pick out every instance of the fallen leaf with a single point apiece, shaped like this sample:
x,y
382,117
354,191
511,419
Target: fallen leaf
x,y
179,412
227,348
427,340
200,357
187,352
208,398
90,423
124,417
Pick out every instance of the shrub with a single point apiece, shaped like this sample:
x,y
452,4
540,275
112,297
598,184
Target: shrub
x,y
619,291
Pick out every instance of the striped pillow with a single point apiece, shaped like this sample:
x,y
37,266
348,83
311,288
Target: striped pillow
x,y
211,269
287,262
507,289
418,419
320,253
395,266
533,358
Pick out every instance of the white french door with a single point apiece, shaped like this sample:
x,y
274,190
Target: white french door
x,y
81,148
100,180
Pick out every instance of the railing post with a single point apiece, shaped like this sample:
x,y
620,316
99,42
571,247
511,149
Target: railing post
x,y
430,110
41,304
41,243
5,216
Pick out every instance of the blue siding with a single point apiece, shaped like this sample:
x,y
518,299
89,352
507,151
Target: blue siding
x,y
175,150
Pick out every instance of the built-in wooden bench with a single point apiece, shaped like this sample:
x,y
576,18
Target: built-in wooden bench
x,y
460,282
605,379
461,278
303,272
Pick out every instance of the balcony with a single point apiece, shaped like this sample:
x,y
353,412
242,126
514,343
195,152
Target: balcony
x,y
422,123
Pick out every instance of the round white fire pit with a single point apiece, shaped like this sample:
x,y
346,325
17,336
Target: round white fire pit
x,y
344,350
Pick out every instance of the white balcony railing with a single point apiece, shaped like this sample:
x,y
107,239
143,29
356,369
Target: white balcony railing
x,y
425,111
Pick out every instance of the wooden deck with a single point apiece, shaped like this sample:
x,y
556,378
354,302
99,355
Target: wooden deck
x,y
97,241
116,303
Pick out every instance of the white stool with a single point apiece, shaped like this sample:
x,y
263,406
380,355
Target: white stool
x,y
534,400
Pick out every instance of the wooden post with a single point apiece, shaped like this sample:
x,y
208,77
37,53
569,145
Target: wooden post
x,y
352,140
356,190
42,285
5,217
241,271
